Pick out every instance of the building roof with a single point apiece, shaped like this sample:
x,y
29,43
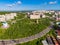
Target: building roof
x,y
44,42
49,40
58,32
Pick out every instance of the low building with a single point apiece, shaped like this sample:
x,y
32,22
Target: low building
x,y
58,34
56,16
7,17
55,41
44,42
49,40
58,23
2,18
36,15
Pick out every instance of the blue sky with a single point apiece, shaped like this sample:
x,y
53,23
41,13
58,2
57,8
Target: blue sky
x,y
12,5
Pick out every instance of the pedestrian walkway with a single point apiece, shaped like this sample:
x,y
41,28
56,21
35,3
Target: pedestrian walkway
x,y
26,39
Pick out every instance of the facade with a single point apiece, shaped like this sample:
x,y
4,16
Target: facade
x,y
56,16
36,15
58,23
55,40
58,34
7,17
44,42
2,18
49,40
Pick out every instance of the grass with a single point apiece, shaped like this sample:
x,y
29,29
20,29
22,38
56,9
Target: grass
x,y
6,12
2,13
24,28
0,24
47,14
38,41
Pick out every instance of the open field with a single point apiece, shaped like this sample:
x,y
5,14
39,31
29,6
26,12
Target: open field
x,y
23,28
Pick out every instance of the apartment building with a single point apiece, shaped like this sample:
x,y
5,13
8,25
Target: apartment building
x,y
2,18
36,15
7,17
56,16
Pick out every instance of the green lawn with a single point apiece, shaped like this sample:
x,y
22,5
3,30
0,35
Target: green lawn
x,y
7,12
2,13
24,28
0,24
47,14
38,41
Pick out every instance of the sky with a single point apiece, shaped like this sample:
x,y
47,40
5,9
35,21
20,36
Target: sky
x,y
18,5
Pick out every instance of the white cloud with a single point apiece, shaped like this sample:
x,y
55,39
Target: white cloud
x,y
10,5
14,4
19,2
53,2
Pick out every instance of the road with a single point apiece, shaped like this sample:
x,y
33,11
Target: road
x,y
23,40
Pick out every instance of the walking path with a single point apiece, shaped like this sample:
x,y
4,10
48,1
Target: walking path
x,y
26,39
23,40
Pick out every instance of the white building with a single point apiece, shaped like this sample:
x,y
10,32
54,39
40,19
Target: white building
x,y
13,14
2,18
7,17
47,12
37,15
56,16
44,42
52,11
34,16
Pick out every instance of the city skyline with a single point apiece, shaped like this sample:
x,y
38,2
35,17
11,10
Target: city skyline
x,y
18,5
